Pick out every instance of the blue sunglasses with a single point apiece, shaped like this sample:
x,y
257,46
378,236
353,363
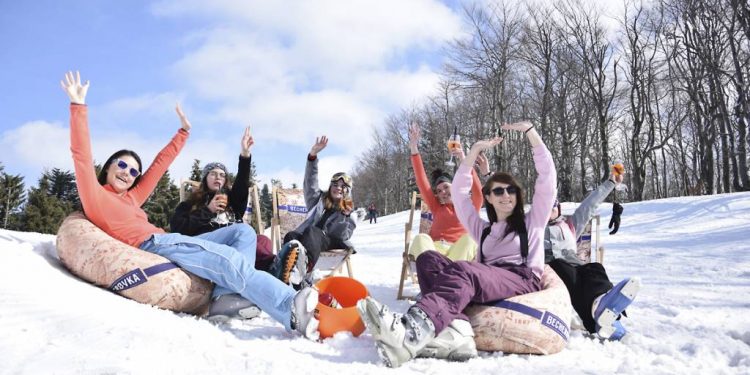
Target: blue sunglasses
x,y
123,165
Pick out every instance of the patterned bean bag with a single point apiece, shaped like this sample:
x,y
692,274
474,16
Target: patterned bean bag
x,y
534,323
94,256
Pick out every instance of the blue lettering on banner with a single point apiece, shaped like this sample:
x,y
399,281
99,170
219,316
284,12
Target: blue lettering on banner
x,y
554,323
295,209
128,280
426,215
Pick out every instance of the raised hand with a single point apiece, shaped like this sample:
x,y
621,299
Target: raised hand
x,y
477,148
73,87
246,143
458,153
520,126
183,119
415,134
484,164
320,143
486,143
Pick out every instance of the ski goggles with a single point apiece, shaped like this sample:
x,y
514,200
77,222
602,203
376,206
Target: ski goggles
x,y
498,191
124,165
343,177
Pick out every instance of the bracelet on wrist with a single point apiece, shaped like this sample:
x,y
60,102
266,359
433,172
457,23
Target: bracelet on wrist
x,y
527,130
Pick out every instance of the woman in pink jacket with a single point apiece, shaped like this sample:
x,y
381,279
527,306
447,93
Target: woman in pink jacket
x,y
510,262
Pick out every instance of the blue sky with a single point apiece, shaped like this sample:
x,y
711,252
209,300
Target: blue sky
x,y
292,70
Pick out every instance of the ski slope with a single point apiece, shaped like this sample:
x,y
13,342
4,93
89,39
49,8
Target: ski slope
x,y
691,316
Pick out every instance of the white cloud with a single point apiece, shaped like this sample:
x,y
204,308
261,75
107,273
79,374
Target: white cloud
x,y
300,69
36,145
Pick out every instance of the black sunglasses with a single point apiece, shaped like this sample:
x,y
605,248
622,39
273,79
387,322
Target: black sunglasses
x,y
500,190
123,165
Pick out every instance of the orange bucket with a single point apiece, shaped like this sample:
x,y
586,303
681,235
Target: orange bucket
x,y
347,292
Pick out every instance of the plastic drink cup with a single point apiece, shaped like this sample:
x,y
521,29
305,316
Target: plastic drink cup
x,y
618,168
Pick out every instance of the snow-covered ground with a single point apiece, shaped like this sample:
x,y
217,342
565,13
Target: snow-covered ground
x,y
691,317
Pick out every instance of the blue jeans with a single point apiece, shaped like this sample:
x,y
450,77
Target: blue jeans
x,y
226,256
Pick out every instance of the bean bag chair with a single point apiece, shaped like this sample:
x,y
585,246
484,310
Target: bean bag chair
x,y
94,256
534,323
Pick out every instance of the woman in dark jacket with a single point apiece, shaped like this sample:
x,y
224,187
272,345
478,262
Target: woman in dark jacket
x,y
202,212
206,210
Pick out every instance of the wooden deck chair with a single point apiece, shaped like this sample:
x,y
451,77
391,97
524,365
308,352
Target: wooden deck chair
x,y
408,264
590,239
187,187
252,211
289,211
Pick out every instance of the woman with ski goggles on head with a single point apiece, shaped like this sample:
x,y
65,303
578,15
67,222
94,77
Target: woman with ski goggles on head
x,y
225,256
328,225
510,262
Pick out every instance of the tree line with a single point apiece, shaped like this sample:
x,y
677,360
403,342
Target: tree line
x,y
666,92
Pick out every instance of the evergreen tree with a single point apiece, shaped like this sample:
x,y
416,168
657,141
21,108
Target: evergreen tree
x,y
162,202
253,174
266,204
195,170
12,196
43,213
62,185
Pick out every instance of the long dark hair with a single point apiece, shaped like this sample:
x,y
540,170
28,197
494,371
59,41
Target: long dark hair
x,y
102,178
516,222
202,195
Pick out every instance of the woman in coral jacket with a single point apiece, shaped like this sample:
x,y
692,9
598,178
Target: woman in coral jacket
x,y
447,235
225,256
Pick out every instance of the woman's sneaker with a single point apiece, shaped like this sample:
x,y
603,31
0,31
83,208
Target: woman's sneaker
x,y
304,313
607,308
454,343
231,306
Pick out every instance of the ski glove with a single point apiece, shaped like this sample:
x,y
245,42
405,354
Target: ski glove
x,y
615,220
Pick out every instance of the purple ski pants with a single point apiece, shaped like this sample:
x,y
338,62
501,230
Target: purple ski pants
x,y
448,287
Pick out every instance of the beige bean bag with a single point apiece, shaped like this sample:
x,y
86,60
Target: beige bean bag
x,y
94,256
534,323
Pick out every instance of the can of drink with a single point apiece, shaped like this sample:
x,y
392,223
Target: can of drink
x,y
328,300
